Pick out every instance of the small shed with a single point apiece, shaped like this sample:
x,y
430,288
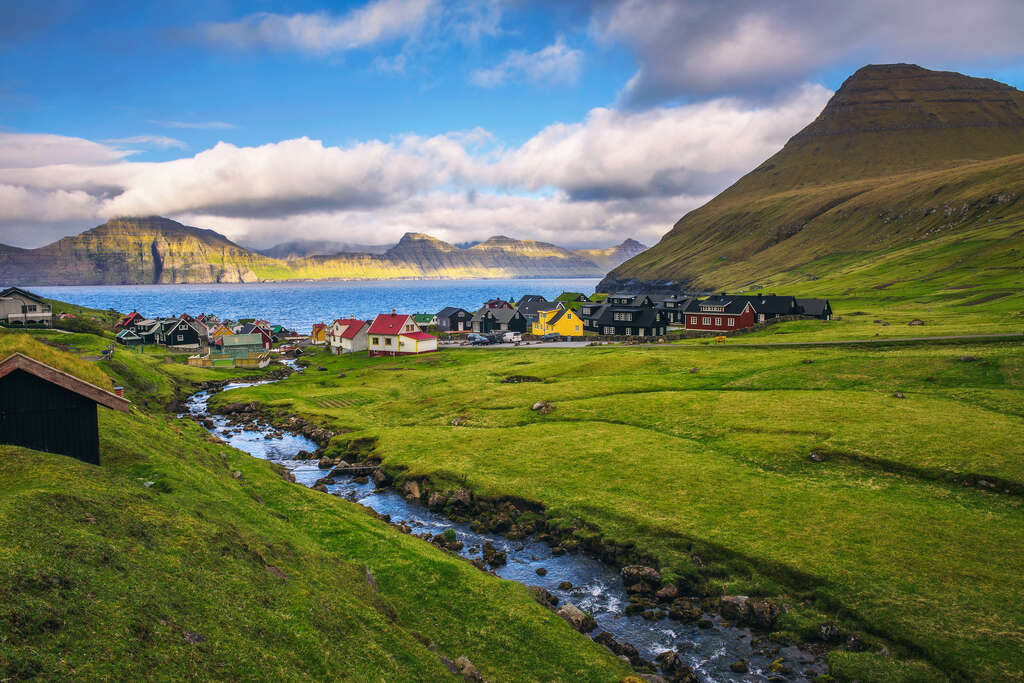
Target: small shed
x,y
46,409
128,338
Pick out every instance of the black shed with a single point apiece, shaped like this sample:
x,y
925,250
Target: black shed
x,y
49,410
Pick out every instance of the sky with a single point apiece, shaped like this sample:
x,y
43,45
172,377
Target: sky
x,y
581,123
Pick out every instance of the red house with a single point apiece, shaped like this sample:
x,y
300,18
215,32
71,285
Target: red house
x,y
398,335
720,314
128,321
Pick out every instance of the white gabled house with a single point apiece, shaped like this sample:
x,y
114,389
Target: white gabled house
x,y
346,335
398,335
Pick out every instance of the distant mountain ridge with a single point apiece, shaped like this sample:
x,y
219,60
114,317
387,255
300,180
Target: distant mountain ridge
x,y
156,250
900,154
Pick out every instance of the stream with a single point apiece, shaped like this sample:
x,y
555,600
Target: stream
x,y
597,588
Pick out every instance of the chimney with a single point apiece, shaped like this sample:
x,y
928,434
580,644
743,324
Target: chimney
x,y
394,311
119,391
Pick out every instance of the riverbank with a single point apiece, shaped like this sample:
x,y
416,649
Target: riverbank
x,y
703,460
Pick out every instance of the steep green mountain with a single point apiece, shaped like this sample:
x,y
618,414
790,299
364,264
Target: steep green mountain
x,y
899,155
157,250
150,250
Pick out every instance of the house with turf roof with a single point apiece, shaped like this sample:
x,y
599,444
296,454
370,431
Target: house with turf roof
x,y
347,335
425,319
815,308
397,334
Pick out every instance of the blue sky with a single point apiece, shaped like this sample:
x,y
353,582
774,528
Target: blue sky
x,y
582,123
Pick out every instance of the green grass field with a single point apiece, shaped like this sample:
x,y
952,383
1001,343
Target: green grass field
x,y
182,558
883,536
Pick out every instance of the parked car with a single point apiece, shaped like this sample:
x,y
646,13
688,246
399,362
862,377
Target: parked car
x,y
495,338
512,338
552,336
477,339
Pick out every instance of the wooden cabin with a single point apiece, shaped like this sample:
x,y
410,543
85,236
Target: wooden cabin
x,y
46,409
454,319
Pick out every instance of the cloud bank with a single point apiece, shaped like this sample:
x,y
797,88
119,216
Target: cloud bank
x,y
709,47
616,174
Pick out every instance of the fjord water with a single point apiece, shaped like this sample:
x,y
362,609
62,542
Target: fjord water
x,y
297,305
597,588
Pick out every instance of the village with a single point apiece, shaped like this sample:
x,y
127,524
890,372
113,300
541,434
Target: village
x,y
572,318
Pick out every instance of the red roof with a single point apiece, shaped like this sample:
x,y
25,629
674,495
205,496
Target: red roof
x,y
419,336
388,323
353,327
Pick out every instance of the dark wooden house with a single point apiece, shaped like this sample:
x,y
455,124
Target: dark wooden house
x,y
183,333
499,320
624,315
452,319
46,409
815,308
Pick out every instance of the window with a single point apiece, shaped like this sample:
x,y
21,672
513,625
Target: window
x,y
629,331
387,341
376,340
732,322
609,330
181,337
577,328
707,321
693,320
718,322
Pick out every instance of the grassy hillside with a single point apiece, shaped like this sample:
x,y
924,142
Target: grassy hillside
x,y
893,161
182,558
883,537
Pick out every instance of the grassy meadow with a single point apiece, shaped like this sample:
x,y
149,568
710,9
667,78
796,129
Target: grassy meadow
x,y
704,453
182,558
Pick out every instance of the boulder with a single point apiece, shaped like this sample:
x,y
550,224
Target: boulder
x,y
577,618
763,614
830,632
669,661
667,593
493,556
467,670
459,421
966,358
461,497
898,394
543,596
634,574
541,571
411,489
736,608
685,610
817,456
436,500
739,667
325,463
565,585
916,322
321,488
381,478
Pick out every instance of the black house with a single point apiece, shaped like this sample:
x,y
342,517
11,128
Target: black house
x,y
182,333
49,410
531,309
624,315
768,306
499,320
815,308
452,319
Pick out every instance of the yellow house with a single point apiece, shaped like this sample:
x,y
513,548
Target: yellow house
x,y
319,334
219,332
561,320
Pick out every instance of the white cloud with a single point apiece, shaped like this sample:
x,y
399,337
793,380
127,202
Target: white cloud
x,y
322,33
556,63
154,140
197,125
702,47
611,176
27,150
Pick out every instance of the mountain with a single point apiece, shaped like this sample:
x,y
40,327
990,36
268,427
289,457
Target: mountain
x,y
157,250
149,250
613,256
899,155
297,249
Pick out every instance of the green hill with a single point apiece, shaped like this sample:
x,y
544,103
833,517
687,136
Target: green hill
x,y
182,558
900,156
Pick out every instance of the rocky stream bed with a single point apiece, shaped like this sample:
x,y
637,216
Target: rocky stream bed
x,y
664,635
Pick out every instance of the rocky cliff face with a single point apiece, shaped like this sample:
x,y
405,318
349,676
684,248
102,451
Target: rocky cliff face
x,y
149,250
157,250
613,256
899,154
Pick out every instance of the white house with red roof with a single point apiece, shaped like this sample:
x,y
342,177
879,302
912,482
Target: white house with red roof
x,y
396,334
346,335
